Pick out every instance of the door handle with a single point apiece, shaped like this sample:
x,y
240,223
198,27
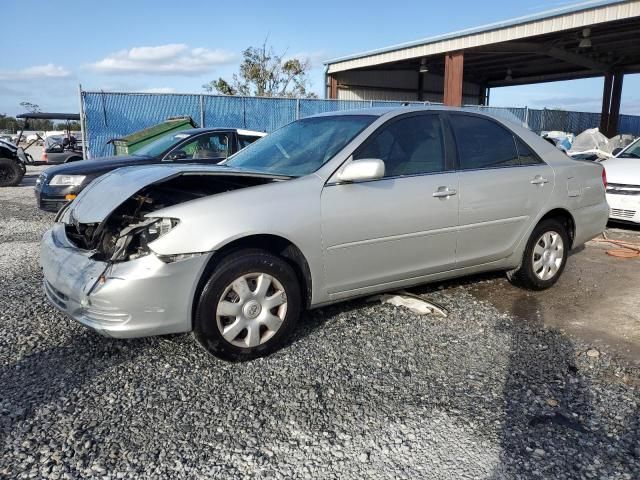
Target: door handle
x,y
539,180
444,192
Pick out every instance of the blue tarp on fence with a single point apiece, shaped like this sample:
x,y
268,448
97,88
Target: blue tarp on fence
x,y
110,115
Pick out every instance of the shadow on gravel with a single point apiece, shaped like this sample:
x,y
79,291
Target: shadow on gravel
x,y
549,408
29,179
54,373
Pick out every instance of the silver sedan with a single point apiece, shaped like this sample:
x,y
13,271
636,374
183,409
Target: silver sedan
x,y
325,209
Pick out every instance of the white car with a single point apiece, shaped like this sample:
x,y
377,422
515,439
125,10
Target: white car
x,y
623,187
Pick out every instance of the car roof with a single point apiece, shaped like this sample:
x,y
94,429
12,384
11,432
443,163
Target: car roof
x,y
240,131
380,111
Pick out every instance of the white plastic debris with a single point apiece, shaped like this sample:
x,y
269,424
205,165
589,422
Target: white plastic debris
x,y
415,303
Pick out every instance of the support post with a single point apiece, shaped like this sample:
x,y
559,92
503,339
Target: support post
x,y
606,103
453,78
333,87
83,124
201,111
616,96
420,85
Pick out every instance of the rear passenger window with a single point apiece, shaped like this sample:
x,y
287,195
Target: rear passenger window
x,y
409,146
527,157
483,143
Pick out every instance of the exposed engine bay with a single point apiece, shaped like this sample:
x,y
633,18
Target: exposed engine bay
x,y
126,233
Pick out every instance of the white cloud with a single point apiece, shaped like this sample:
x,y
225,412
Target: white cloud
x,y
38,71
170,59
315,58
158,90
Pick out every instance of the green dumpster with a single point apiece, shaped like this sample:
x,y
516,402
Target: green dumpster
x,y
129,144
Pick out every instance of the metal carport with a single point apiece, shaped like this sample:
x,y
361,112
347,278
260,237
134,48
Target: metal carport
x,y
590,39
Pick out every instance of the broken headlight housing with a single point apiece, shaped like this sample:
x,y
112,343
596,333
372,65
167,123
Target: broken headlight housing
x,y
133,242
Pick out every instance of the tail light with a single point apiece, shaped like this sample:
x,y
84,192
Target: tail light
x,y
604,178
45,158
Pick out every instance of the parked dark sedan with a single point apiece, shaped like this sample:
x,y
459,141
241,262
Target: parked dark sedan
x,y
60,184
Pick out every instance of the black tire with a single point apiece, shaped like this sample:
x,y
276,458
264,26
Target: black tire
x,y
10,172
235,265
525,276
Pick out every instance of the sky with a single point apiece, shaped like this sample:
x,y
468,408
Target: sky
x,y
169,46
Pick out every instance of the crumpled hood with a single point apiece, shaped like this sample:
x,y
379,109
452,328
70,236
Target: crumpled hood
x,y
106,193
623,170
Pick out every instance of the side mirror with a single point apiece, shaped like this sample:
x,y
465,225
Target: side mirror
x,y
616,151
177,155
360,170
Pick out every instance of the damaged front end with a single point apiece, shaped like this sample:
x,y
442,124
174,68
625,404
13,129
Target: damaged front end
x,y
98,263
128,230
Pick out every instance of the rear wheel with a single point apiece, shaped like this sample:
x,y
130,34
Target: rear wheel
x,y
249,306
544,257
11,172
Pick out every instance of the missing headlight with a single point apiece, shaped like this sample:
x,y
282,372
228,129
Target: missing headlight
x,y
133,241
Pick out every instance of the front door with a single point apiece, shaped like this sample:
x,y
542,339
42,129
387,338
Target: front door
x,y
399,227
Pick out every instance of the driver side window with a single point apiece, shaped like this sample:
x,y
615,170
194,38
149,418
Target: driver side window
x,y
212,146
412,145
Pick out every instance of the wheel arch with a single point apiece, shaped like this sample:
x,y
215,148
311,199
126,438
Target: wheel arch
x,y
565,218
274,244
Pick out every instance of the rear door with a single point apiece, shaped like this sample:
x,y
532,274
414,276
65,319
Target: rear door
x,y
503,187
398,227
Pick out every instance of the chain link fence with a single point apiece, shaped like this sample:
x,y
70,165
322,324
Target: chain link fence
x,y
108,115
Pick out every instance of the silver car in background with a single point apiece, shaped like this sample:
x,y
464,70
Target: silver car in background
x,y
324,209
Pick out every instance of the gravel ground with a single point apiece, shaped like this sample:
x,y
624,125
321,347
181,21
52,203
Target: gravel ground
x,y
363,391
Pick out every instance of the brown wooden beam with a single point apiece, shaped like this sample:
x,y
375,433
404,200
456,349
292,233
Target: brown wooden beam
x,y
453,78
333,87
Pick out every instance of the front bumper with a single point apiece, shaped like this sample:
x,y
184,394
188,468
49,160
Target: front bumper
x,y
52,199
625,208
137,298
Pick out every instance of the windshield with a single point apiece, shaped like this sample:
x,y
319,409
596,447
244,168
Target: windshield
x,y
301,147
161,145
632,152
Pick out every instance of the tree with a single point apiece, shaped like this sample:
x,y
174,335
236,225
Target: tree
x,y
9,124
73,126
265,73
30,107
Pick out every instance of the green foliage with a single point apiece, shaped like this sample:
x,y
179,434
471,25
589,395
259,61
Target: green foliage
x,y
9,124
265,73
73,126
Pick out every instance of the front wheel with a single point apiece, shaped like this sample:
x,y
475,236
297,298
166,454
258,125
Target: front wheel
x,y
544,257
11,172
249,306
